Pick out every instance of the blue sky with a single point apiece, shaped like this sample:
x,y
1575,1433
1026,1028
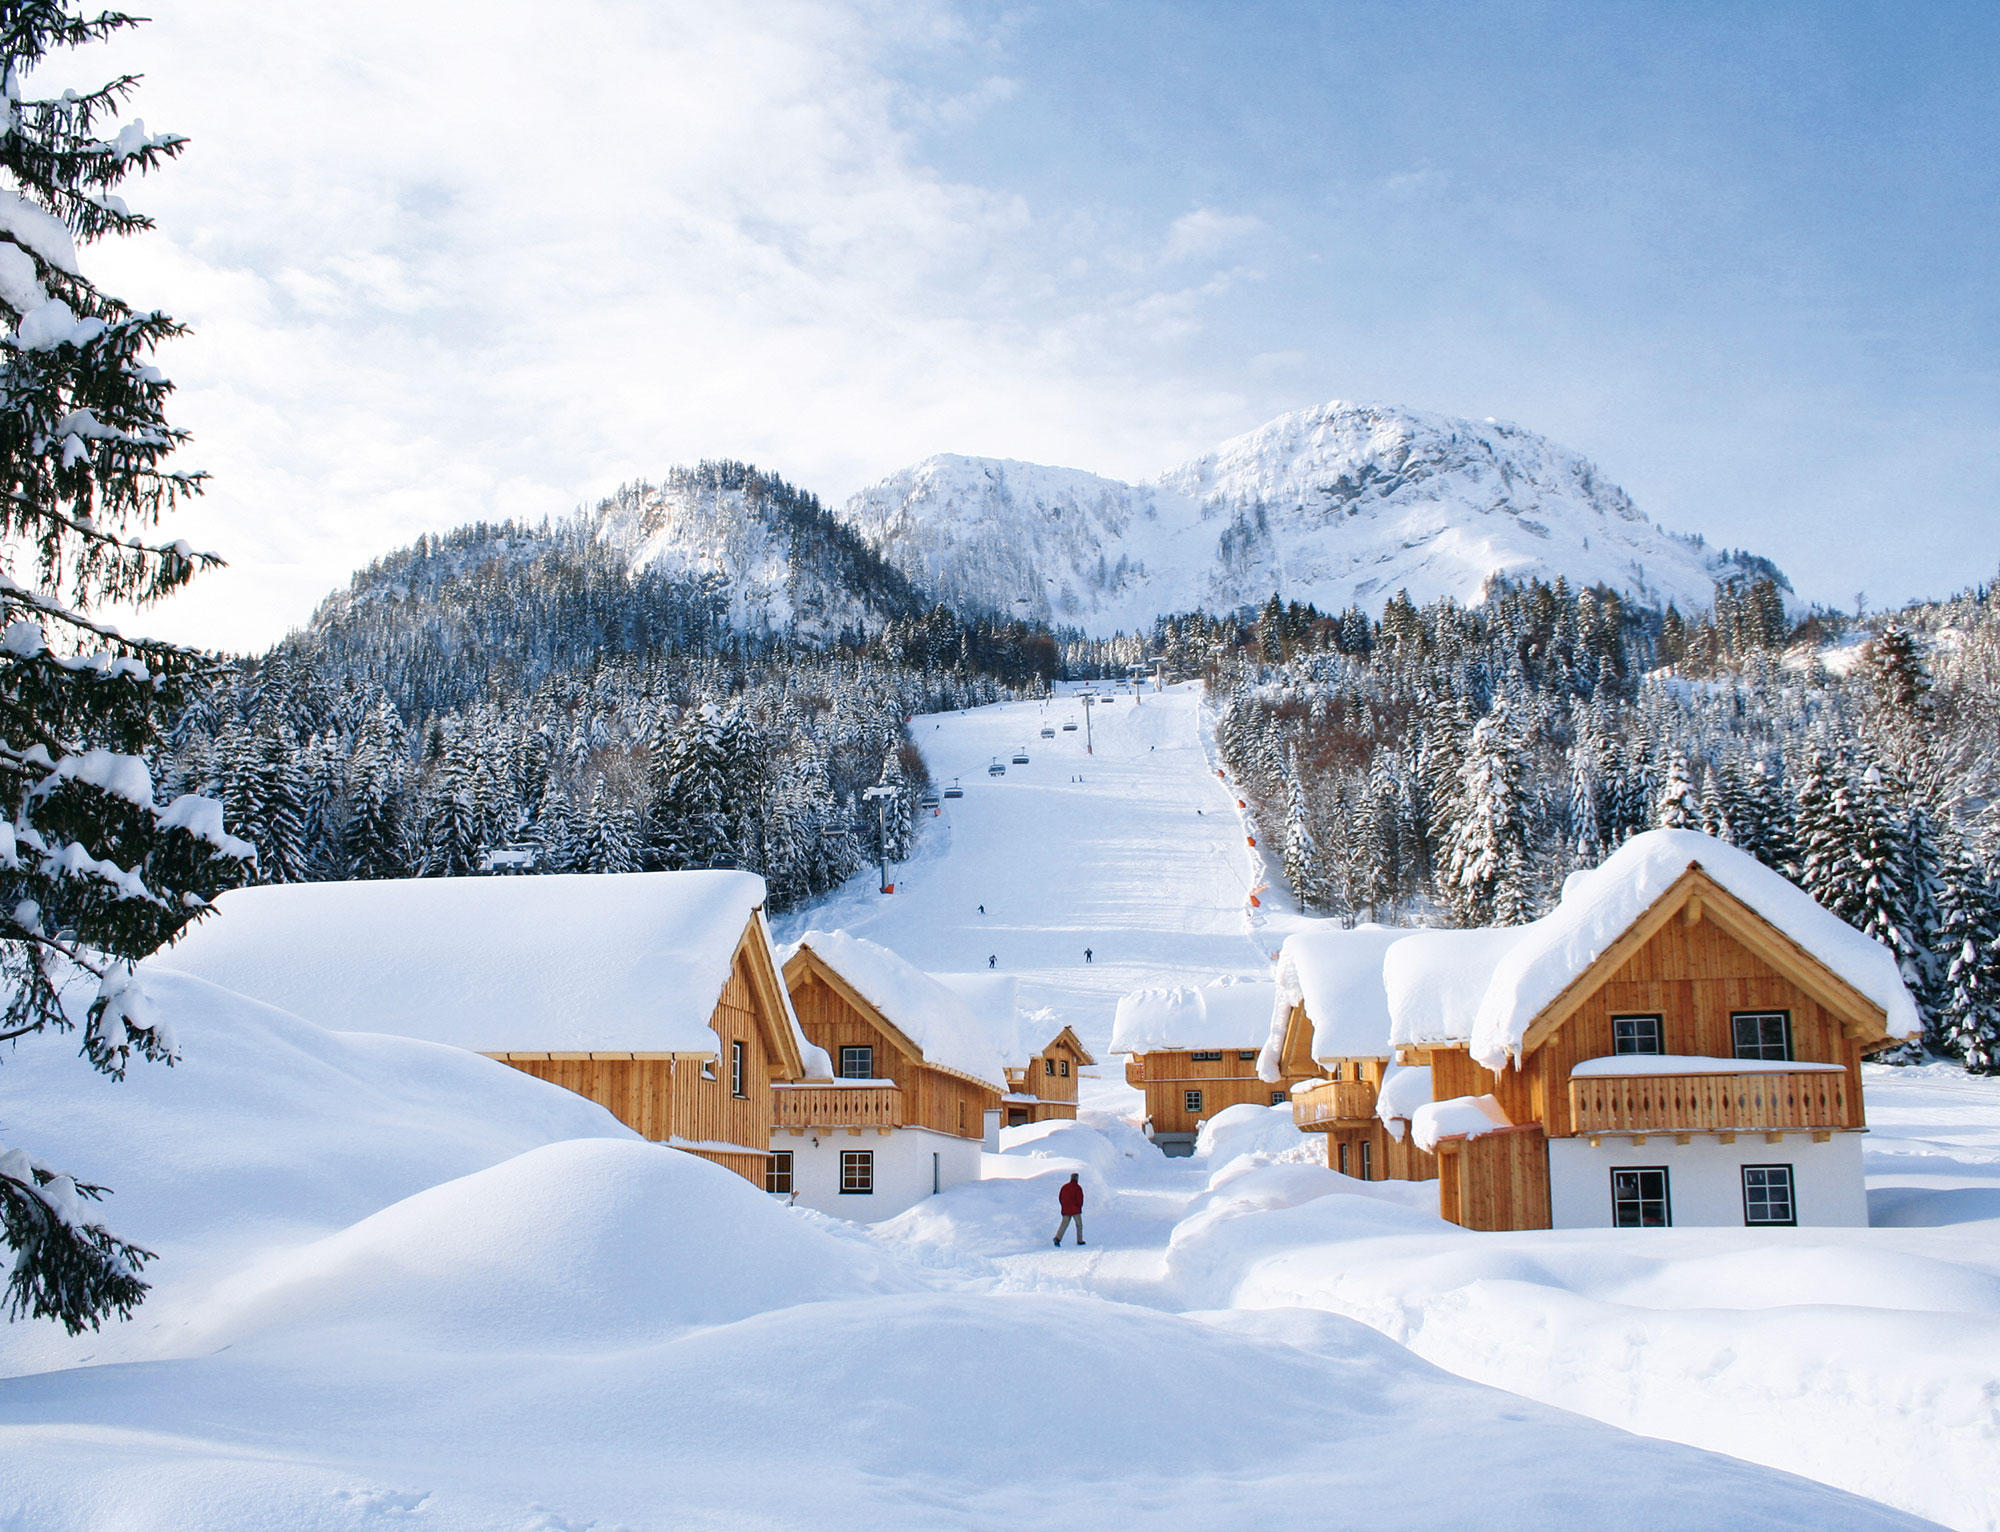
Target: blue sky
x,y
447,264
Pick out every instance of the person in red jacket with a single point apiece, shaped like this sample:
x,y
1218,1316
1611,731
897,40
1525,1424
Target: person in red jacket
x,y
1070,1200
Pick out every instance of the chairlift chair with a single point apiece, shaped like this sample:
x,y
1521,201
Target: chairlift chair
x,y
1020,757
1070,727
1048,733
997,769
954,791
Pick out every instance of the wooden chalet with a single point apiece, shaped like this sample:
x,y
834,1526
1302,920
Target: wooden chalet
x,y
1194,1050
656,995
1044,1058
1330,1034
915,1097
1678,1042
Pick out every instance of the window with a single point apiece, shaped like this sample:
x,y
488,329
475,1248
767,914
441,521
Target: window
x,y
1636,1034
1639,1198
1065,1069
1343,1159
1247,1056
1191,1101
857,1063
1367,1160
1048,1066
1335,1075
1277,1098
1017,1116
1206,1058
1762,1034
857,1172
1767,1196
736,1069
778,1173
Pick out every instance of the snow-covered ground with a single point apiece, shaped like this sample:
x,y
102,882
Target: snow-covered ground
x,y
403,1286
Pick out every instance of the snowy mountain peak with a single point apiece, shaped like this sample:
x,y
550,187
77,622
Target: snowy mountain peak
x,y
1339,504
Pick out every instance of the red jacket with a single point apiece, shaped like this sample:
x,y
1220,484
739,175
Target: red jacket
x,y
1070,1198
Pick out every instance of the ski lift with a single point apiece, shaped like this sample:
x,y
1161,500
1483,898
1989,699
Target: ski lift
x,y
997,769
1020,757
1048,733
929,799
1070,727
954,791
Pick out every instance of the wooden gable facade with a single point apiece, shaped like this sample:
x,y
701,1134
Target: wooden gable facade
x,y
919,1094
1694,970
718,1105
1185,1087
1046,1088
1337,1097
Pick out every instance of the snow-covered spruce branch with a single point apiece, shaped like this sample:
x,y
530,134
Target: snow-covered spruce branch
x,y
65,1267
87,528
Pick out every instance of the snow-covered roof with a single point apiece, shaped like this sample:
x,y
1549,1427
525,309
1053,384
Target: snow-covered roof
x,y
1486,988
1229,1013
630,962
944,1028
995,998
1338,974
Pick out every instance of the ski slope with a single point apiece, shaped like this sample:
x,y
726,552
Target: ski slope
x,y
1134,850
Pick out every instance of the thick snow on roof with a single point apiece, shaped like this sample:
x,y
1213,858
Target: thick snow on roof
x,y
1405,1088
1460,1117
630,962
1598,906
1230,1013
995,998
1436,979
1338,974
948,1031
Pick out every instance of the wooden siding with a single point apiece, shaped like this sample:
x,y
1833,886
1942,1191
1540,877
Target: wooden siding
x,y
800,1107
1058,1088
1232,1080
1499,1180
684,1098
1390,1158
1759,1102
1329,1104
931,1098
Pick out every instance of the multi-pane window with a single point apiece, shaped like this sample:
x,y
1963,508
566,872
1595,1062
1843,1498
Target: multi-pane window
x,y
1191,1101
1639,1198
1065,1069
1636,1034
857,1172
1767,1195
1761,1034
857,1063
1206,1058
1247,1056
736,1069
778,1173
1367,1160
1048,1066
1277,1098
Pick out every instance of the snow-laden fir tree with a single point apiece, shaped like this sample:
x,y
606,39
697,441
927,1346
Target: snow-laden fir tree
x,y
1303,867
94,872
1968,954
1488,873
691,811
607,837
896,824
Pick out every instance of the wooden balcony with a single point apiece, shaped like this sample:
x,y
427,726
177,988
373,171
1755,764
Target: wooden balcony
x,y
1331,1104
837,1106
1763,1102
1135,1070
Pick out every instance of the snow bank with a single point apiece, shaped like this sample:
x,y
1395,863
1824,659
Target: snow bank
x,y
1337,973
591,1243
1599,906
1229,1013
1247,1128
947,1031
574,962
1457,1117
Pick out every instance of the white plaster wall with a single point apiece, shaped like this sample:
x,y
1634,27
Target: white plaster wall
x,y
1705,1178
902,1169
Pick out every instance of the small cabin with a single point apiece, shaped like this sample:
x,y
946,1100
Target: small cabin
x,y
1679,1042
1329,1033
916,1088
657,995
1193,1050
1045,1059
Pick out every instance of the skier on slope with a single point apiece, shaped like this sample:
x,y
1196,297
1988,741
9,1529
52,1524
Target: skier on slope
x,y
1086,955
1070,1201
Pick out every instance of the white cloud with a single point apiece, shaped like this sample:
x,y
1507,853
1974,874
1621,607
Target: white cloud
x,y
450,263
1208,231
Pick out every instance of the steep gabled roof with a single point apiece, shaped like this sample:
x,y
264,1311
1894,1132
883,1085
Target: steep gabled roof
x,y
1330,988
604,963
925,1018
1229,1013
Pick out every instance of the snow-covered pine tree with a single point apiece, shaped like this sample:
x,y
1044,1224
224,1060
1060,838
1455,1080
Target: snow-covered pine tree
x,y
607,838
96,873
689,815
280,832
1968,953
897,824
1302,864
450,845
1487,873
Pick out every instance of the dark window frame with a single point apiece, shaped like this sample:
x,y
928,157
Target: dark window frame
x,y
738,1073
1639,1198
1065,1069
1048,1066
863,1183
1246,1055
1637,1033
867,1053
1191,1100
1367,1160
779,1169
1760,1048
1791,1200
1205,1056
1278,1098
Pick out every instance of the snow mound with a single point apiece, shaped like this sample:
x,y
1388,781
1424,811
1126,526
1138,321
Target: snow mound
x,y
629,962
946,1030
1247,1128
1229,1013
591,1243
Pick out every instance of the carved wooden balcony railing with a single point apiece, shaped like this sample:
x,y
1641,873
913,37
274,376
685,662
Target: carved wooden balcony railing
x,y
1763,1101
838,1106
1331,1104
